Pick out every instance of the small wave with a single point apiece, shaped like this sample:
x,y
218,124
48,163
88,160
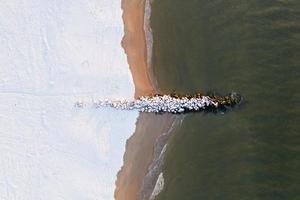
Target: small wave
x,y
155,169
159,186
148,32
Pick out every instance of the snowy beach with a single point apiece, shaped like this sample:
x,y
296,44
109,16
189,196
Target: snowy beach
x,y
52,55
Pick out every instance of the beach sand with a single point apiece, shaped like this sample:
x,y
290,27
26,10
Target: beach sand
x,y
139,153
134,44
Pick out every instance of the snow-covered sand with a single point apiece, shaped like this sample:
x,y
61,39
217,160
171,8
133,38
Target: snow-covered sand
x,y
53,54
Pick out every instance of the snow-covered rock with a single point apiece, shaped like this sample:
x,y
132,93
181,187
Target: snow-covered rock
x,y
161,104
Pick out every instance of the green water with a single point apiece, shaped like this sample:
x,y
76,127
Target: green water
x,y
248,46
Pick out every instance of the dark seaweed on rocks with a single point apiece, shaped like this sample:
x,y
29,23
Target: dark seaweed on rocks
x,y
220,102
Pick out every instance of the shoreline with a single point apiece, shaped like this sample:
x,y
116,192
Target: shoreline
x,y
137,177
135,46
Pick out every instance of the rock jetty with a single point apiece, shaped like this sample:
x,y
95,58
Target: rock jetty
x,y
173,103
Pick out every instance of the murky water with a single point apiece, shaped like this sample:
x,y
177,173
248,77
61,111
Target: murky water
x,y
249,47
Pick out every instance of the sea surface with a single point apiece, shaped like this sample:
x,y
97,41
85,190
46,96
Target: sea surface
x,y
249,47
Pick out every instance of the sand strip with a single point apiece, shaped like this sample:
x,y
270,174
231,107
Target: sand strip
x,y
150,128
134,44
139,154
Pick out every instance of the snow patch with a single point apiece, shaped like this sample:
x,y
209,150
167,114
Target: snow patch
x,y
52,55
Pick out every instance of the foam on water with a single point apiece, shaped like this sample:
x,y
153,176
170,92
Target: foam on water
x,y
159,186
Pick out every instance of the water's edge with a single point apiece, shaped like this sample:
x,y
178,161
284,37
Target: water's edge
x,y
144,152
148,189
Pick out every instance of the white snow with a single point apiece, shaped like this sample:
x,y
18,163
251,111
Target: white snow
x,y
52,54
159,104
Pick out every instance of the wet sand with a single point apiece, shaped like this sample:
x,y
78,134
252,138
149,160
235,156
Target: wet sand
x,y
139,153
134,44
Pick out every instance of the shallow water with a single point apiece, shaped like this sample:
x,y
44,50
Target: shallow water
x,y
249,47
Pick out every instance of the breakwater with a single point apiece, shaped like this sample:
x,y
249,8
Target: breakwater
x,y
171,103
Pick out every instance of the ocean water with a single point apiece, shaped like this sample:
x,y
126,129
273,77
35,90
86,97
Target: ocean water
x,y
53,54
249,47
